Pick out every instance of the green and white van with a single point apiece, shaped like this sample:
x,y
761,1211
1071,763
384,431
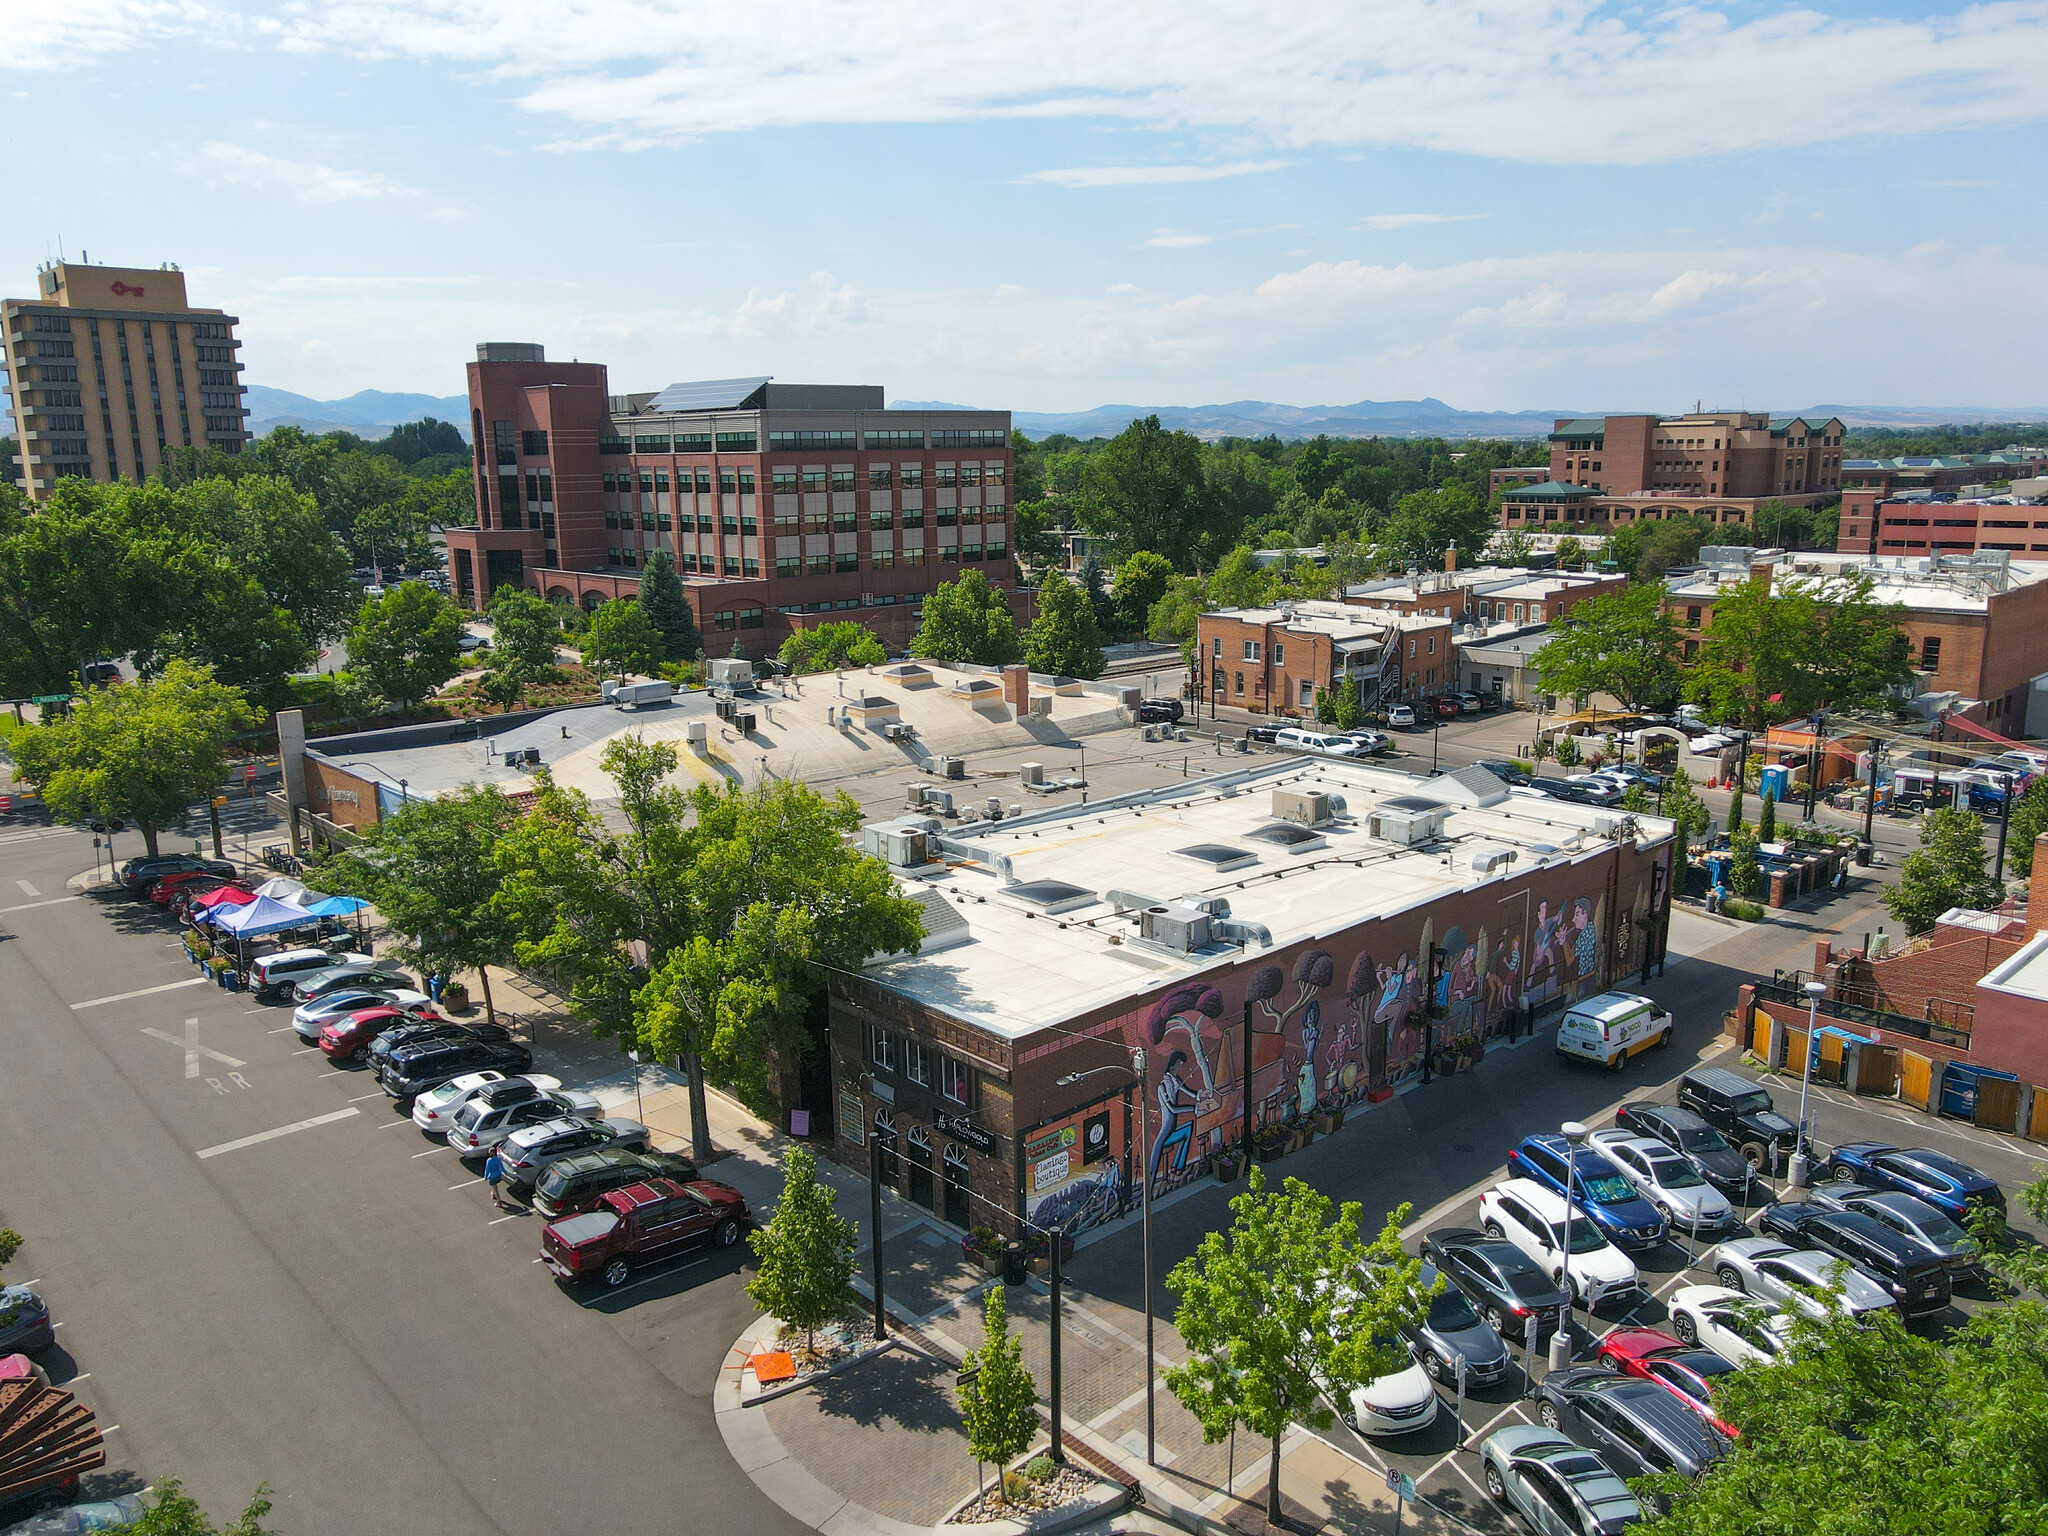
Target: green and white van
x,y
1612,1027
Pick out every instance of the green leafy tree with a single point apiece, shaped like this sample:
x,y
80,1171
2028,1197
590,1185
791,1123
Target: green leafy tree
x,y
1178,613
1147,489
1567,748
1864,1429
832,647
1571,554
411,441
1291,1302
430,868
1623,644
1239,581
1946,870
1140,582
407,642
1036,544
1514,547
662,600
525,630
2029,821
1825,525
275,534
144,752
999,1403
1063,639
2018,1263
174,1512
1780,523
1339,707
1735,793
10,1245
968,620
805,1253
504,685
1426,523
623,639
1776,654
1636,800
1691,819
1745,874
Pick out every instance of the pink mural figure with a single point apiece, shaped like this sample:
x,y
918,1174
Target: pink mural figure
x,y
1502,982
1546,954
1186,1014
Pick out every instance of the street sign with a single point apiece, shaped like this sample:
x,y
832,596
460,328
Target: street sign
x,y
966,1376
1393,1479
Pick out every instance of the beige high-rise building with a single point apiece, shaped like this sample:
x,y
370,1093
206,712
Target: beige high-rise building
x,y
112,371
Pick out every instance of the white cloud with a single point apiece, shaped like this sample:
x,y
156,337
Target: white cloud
x,y
1151,175
310,182
1405,220
1550,81
1173,240
40,36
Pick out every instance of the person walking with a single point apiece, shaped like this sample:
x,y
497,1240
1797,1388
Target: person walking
x,y
494,1170
434,986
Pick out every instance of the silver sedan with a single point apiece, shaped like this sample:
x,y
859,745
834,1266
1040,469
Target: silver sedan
x,y
1669,1181
1796,1278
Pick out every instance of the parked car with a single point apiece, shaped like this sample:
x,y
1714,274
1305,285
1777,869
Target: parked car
x,y
1740,1111
309,1018
413,1069
1687,1202
484,1122
1686,1371
24,1321
1469,703
575,1183
1559,1488
359,973
1444,706
138,874
1533,1219
1504,770
1320,743
1369,742
417,1031
348,1037
1797,1279
528,1152
1453,1327
1262,733
1401,716
275,974
1952,1187
1160,711
162,889
1634,773
434,1111
642,1224
1595,790
1610,1028
1635,1425
1398,1403
1914,1217
1514,1294
79,1519
1694,1140
1597,1188
1734,1327
1914,1275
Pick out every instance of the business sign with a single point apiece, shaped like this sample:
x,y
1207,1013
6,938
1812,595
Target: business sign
x,y
1050,1141
852,1122
1052,1170
961,1128
124,289
1095,1138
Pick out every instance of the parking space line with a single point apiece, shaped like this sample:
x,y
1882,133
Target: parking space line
x,y
282,1130
337,1072
122,997
431,1150
54,901
465,1184
377,1095
395,1124
513,1217
278,1031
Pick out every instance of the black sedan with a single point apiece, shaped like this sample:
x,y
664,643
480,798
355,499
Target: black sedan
x,y
1952,1187
1638,1427
1695,1141
1914,1217
1515,1297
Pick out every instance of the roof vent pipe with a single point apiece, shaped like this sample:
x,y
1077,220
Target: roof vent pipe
x,y
1237,931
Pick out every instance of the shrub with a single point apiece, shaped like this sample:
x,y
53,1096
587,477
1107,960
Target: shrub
x,y
1039,1469
1742,911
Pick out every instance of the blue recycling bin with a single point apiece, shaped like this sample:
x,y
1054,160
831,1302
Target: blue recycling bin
x,y
1959,1088
1777,781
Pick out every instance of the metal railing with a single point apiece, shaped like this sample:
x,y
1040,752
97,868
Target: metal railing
x,y
1789,989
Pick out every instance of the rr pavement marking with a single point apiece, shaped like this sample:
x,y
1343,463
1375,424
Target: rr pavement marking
x,y
193,1049
53,901
27,889
282,1130
122,997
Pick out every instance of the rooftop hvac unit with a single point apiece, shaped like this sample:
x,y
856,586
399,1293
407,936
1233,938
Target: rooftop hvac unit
x,y
1042,706
940,800
1031,775
732,672
1310,807
897,845
696,733
1491,861
532,754
1152,733
913,795
744,719
511,759
1175,926
993,808
1407,820
955,767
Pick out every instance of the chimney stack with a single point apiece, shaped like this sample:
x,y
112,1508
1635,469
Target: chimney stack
x,y
1017,688
1451,557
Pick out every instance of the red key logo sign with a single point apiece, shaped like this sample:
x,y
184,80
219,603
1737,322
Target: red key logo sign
x,y
122,288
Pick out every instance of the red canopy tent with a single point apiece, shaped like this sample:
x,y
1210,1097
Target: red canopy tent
x,y
226,896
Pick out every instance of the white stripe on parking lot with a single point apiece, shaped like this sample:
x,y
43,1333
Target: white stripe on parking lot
x,y
54,901
122,997
27,889
282,1130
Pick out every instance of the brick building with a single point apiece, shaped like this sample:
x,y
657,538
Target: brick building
x,y
1276,660
1274,941
1487,594
1940,472
783,505
1977,624
1919,524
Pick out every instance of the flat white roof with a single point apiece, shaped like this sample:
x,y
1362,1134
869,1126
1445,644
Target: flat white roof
x,y
1025,967
1924,584
1339,620
2025,974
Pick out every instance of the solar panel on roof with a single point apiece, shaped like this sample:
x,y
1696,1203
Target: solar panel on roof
x,y
706,395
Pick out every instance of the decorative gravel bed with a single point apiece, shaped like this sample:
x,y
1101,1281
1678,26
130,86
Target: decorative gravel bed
x,y
1063,1487
830,1345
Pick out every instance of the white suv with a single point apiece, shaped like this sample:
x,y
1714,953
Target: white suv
x,y
1532,1218
1325,744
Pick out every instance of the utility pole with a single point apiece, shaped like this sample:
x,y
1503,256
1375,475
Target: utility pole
x,y
2004,821
1870,805
1816,755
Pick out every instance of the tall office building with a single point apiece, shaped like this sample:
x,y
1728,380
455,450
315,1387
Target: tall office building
x,y
112,371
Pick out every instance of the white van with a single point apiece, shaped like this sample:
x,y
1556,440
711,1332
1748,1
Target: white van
x,y
1317,741
1612,1027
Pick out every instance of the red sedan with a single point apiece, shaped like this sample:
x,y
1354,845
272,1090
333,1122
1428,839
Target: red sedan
x,y
1686,1371
161,891
348,1039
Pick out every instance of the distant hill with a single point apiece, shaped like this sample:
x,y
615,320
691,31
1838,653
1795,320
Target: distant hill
x,y
1257,418
368,412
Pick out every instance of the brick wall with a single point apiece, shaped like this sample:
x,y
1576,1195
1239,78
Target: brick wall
x,y
343,798
1947,969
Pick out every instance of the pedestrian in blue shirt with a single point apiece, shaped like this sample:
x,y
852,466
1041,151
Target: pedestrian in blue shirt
x,y
494,1170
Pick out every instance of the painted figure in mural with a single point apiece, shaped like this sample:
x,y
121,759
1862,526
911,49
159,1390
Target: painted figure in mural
x,y
1585,946
1178,1107
1362,995
1186,1012
1306,1078
1546,954
1399,985
1504,979
1458,987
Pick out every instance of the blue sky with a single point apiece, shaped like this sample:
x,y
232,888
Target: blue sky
x,y
1542,204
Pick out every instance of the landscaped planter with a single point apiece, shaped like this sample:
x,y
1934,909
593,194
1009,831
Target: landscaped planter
x,y
1228,1166
1328,1121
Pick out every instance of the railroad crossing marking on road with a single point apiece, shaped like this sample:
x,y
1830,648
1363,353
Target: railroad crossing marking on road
x,y
193,1049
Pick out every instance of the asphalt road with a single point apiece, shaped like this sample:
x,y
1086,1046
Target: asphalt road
x,y
333,1307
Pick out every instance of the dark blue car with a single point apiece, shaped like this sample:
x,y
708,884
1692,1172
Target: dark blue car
x,y
1951,1187
1624,1217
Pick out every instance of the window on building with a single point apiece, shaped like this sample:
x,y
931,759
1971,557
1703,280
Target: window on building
x,y
881,1044
913,557
1930,652
946,475
818,565
785,479
533,444
1251,650
917,1063
703,482
814,481
661,481
1240,683
881,520
1692,613
728,481
842,477
1308,693
1219,648
1279,654
911,475
882,559
846,560
753,618
647,482
723,619
956,1080
746,482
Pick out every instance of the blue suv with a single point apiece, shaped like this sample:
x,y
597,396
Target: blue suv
x,y
1625,1218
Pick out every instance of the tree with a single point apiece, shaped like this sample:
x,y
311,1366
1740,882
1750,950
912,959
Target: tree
x,y
143,752
1767,821
1140,581
1736,789
177,1513
2019,1264
1779,523
1239,581
1339,707
1946,870
1773,655
10,1245
833,647
668,610
1178,612
504,685
1147,489
1863,1429
967,620
2029,821
1063,639
1745,874
407,642
805,1252
411,441
1290,1302
1691,819
525,630
999,1403
1426,523
623,639
1514,547
1571,554
1036,545
1623,644
430,868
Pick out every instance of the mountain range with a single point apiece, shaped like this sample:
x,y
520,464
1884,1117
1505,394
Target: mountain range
x,y
367,413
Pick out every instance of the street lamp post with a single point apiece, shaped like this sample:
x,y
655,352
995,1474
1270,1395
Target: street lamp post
x,y
1870,803
1560,1342
1801,1164
1997,873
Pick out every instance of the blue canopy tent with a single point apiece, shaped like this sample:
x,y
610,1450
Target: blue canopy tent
x,y
340,907
266,914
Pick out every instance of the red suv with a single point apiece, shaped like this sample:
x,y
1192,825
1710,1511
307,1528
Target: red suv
x,y
348,1039
1445,705
642,1224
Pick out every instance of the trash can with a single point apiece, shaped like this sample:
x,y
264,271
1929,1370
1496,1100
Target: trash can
x,y
1013,1262
1863,854
1959,1086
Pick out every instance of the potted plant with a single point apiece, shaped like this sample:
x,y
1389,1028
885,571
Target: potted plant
x,y
455,997
1300,1132
1329,1114
984,1245
1229,1164
1270,1143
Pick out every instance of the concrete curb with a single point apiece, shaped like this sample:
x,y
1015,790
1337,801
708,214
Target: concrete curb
x,y
783,1388
1108,1498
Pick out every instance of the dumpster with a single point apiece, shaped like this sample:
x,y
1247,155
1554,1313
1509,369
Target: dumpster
x,y
1961,1085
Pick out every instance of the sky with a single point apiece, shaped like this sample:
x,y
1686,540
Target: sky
x,y
1530,204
